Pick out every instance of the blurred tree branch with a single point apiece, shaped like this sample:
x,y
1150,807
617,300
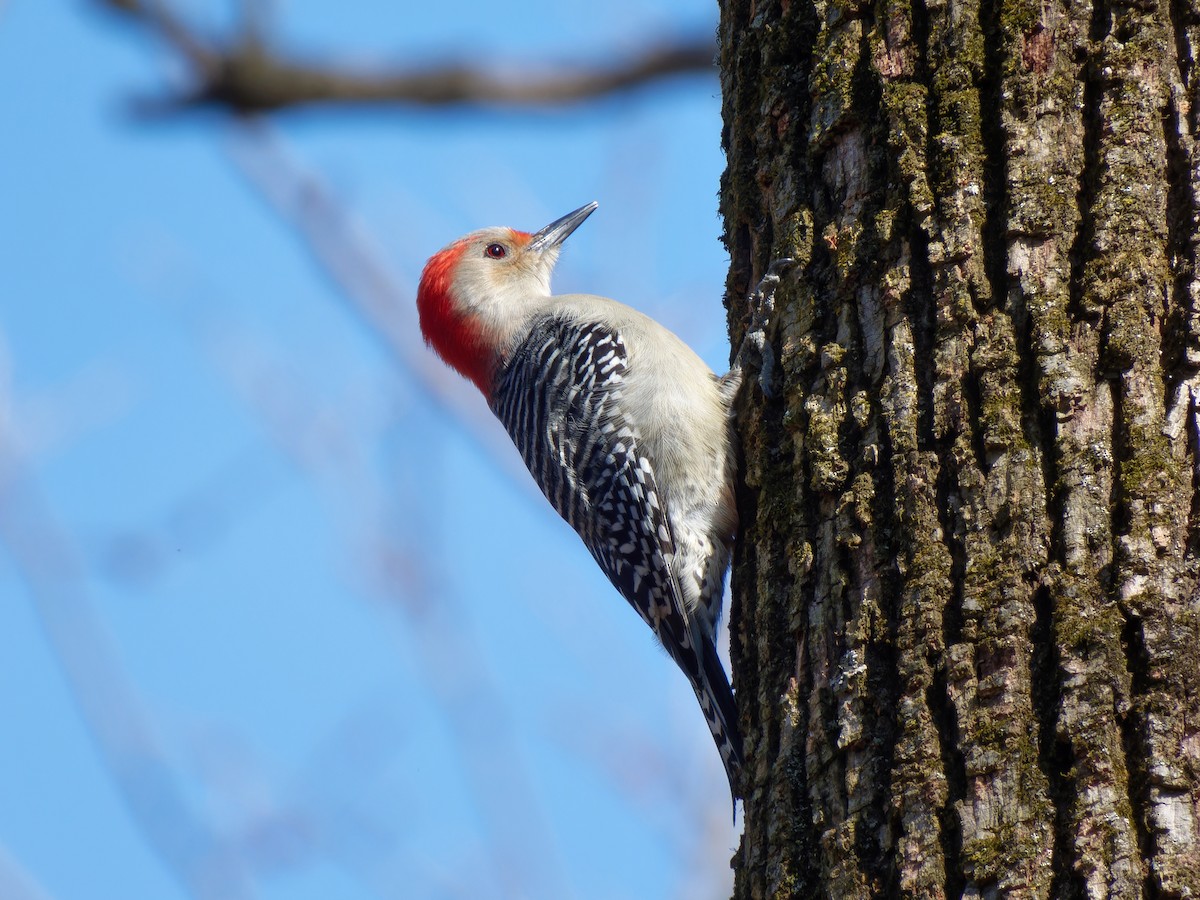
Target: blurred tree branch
x,y
245,75
205,864
345,253
16,883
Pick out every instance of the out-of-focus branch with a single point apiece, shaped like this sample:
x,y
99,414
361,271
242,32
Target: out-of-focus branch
x,y
206,866
394,563
248,79
371,291
15,882
167,26
244,75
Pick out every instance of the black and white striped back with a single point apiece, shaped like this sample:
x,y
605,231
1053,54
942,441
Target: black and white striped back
x,y
560,398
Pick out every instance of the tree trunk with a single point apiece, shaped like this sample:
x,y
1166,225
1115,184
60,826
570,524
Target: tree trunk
x,y
966,629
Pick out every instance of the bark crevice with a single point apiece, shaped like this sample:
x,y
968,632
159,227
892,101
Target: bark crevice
x,y
955,766
1054,755
1181,343
1082,248
1138,662
994,229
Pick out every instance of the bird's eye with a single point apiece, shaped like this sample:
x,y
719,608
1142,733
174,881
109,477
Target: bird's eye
x,y
495,251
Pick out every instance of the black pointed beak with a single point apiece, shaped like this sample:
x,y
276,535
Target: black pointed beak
x,y
560,229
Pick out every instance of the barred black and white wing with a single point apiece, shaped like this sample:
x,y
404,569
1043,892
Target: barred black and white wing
x,y
559,396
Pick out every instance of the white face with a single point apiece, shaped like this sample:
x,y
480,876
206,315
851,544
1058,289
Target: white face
x,y
498,277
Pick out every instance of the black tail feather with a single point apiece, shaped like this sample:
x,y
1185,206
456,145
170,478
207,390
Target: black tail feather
x,y
720,711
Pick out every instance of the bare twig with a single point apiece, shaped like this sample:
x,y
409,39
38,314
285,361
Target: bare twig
x,y
520,842
250,79
15,882
205,864
170,28
371,291
244,75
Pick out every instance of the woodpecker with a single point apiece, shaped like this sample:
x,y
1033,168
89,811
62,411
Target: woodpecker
x,y
626,431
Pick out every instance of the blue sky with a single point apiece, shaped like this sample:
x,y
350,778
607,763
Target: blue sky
x,y
266,610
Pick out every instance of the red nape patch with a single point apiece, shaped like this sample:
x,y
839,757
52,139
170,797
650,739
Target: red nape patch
x,y
456,338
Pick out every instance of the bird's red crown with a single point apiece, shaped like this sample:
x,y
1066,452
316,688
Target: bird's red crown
x,y
456,337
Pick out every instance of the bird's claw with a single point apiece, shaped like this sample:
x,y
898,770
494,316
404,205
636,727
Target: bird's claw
x,y
761,301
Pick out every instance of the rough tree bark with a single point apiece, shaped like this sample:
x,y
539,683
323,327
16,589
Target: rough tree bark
x,y
966,628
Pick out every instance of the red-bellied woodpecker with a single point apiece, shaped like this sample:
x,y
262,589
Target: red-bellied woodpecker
x,y
625,430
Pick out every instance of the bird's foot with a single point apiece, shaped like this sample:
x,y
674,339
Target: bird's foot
x,y
755,346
